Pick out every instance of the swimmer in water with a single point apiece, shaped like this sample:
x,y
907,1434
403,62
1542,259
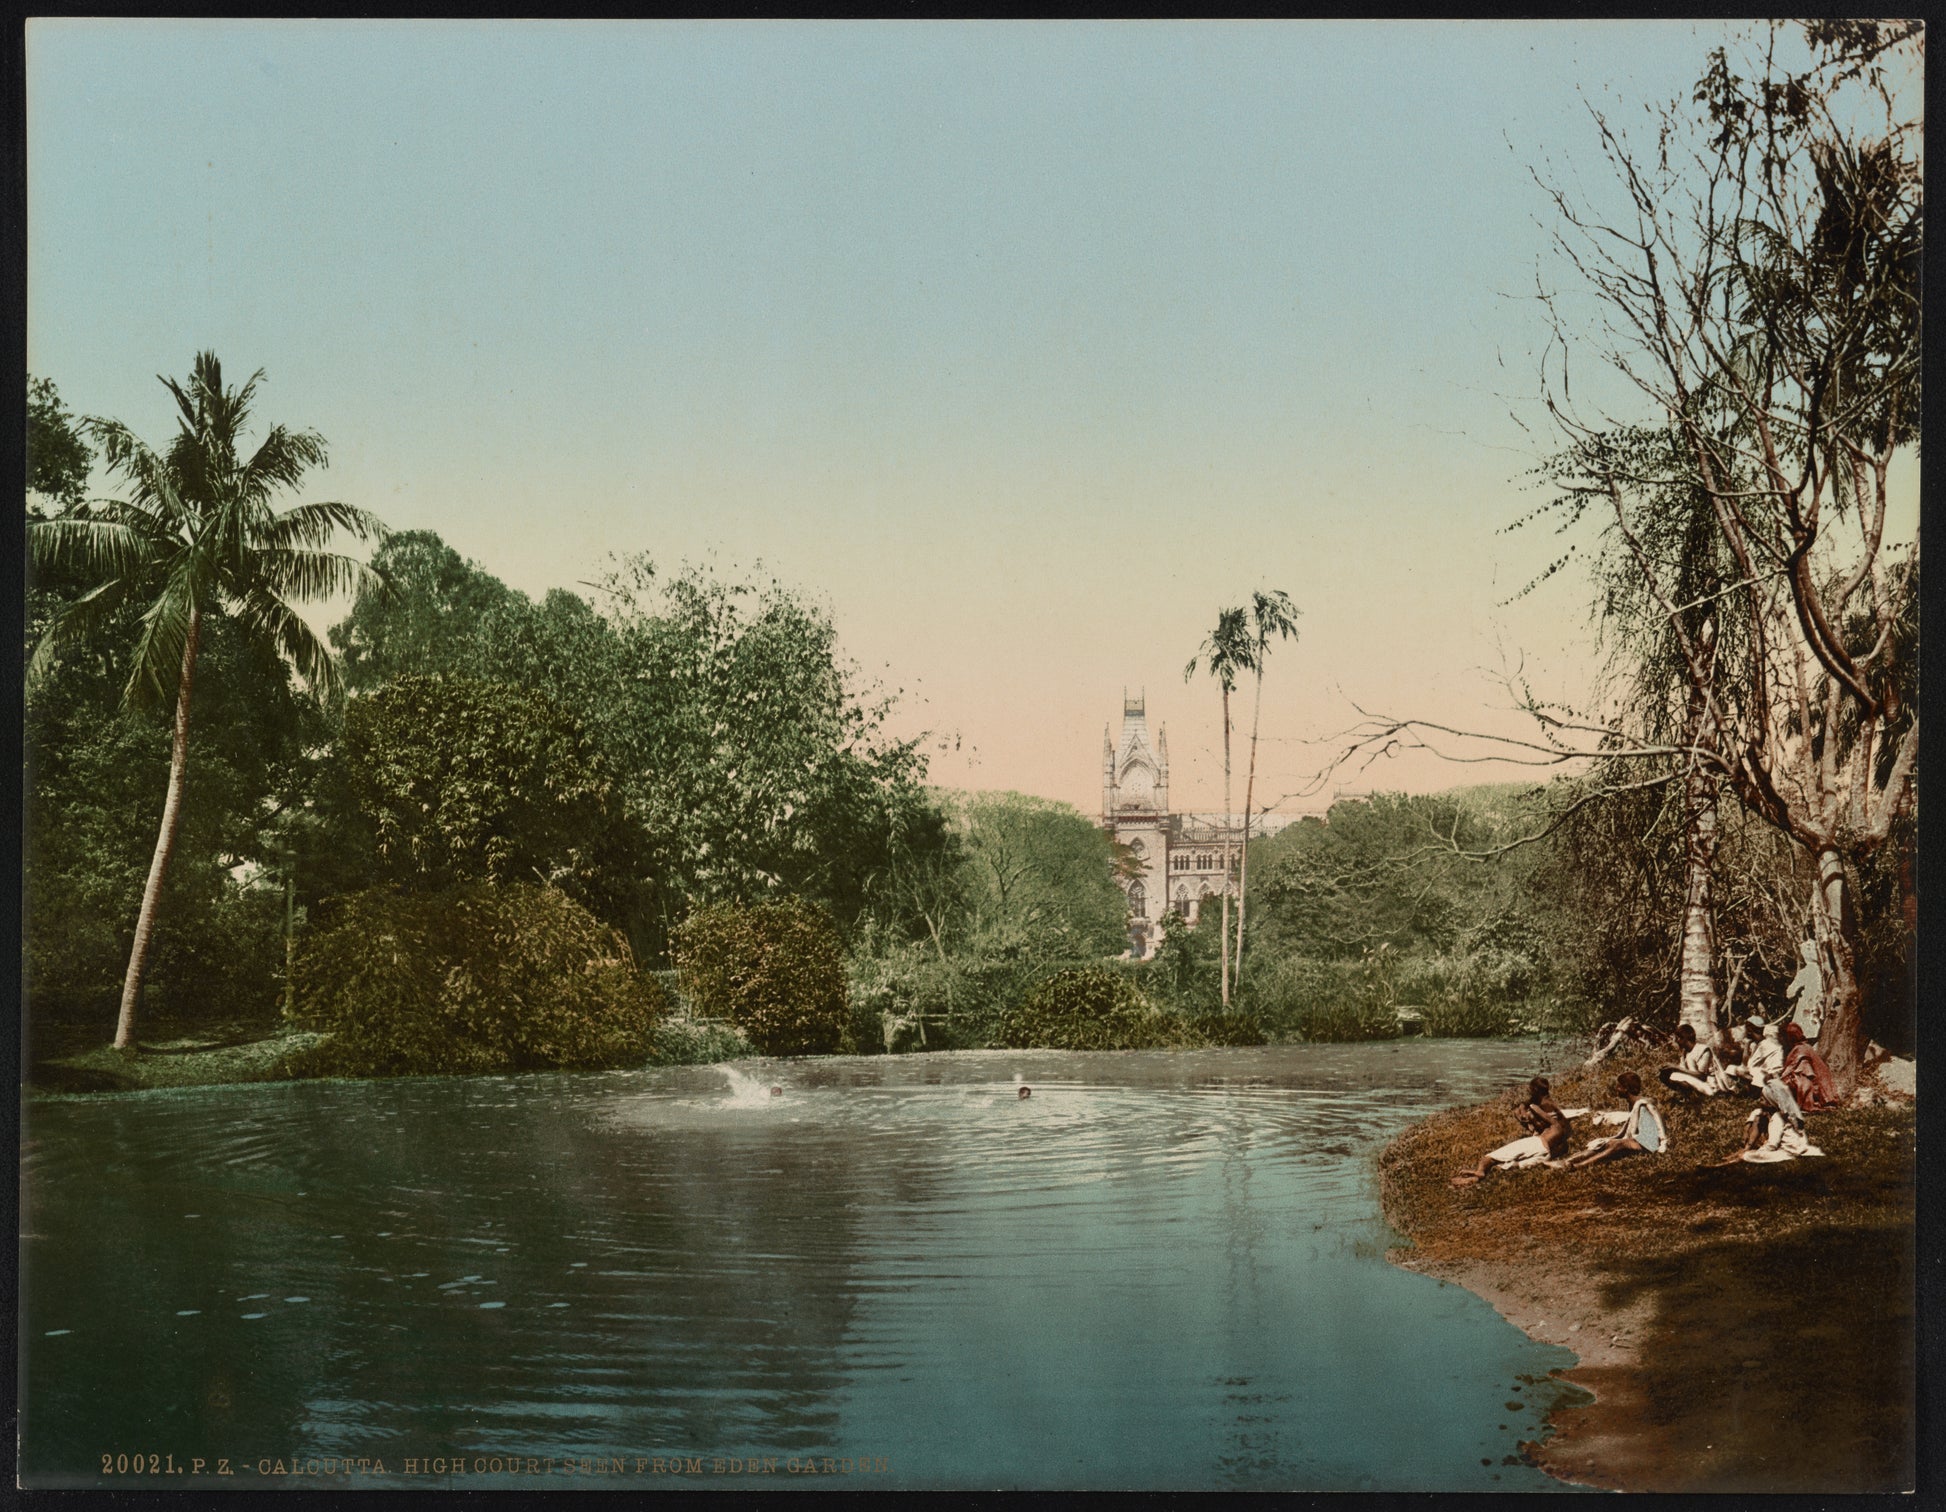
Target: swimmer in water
x,y
1025,1093
776,1091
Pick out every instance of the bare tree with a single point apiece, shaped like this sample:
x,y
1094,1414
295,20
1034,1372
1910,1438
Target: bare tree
x,y
1758,287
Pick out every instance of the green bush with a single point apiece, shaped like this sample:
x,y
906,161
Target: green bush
x,y
1229,1028
1472,996
676,1043
1301,998
1092,1008
774,970
478,978
961,1000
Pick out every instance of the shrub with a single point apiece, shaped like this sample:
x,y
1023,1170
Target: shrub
x,y
961,1000
775,970
676,1043
1324,1000
478,978
1091,1008
1486,991
1229,1028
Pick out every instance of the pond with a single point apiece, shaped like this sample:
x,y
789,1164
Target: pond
x,y
1158,1271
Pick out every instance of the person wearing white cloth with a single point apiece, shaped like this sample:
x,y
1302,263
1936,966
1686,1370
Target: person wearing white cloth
x,y
1542,1147
1642,1128
1807,992
1698,1069
1770,1136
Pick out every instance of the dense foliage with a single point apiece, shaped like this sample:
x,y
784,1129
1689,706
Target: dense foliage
x,y
474,978
776,971
464,779
1092,1008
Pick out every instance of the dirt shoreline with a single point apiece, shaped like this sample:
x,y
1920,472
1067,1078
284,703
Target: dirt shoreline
x,y
1717,1312
1590,1443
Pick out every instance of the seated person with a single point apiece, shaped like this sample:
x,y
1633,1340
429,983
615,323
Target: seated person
x,y
1543,1146
1698,1069
1642,1128
1806,1074
1771,1135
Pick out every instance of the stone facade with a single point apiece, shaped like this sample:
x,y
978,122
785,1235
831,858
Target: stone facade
x,y
1181,855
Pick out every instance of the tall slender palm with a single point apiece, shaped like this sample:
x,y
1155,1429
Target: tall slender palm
x,y
1226,652
1271,614
197,535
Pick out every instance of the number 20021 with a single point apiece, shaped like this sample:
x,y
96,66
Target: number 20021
x,y
138,1464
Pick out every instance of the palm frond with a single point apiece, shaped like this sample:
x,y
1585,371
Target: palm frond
x,y
264,613
100,548
159,648
302,573
281,461
78,621
313,525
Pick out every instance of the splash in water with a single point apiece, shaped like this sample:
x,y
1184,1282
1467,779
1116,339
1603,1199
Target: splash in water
x,y
747,1091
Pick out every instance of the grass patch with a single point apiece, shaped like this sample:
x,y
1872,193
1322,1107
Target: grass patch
x,y
172,1056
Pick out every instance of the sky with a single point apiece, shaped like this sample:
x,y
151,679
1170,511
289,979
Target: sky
x,y
1023,347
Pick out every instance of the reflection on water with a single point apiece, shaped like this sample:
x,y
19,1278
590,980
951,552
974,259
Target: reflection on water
x,y
1158,1271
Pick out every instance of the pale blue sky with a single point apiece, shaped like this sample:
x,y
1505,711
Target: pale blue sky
x,y
1022,345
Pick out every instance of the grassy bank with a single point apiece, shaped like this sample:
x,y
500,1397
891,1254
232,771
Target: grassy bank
x,y
1744,1328
214,1054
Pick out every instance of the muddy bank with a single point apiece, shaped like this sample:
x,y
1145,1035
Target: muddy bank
x,y
1744,1329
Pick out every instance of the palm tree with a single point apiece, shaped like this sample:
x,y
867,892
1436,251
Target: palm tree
x,y
197,535
1226,651
1271,613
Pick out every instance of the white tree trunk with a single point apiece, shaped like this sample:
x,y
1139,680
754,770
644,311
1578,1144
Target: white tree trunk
x,y
1696,975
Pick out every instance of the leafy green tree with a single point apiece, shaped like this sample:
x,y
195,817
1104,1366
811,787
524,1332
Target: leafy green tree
x,y
1389,870
95,773
197,533
1038,871
1227,652
59,459
752,762
475,978
426,610
480,781
775,970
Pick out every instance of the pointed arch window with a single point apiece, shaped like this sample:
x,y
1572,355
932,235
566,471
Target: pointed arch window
x,y
1138,900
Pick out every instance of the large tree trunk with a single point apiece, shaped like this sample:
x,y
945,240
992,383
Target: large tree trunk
x,y
1841,1038
1249,797
1227,825
1696,976
165,841
1698,970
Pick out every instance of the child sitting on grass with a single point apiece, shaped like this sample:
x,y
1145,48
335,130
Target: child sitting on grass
x,y
1547,1137
1642,1129
1698,1070
1771,1133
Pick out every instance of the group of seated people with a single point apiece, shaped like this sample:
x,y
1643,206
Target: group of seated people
x,y
1776,1065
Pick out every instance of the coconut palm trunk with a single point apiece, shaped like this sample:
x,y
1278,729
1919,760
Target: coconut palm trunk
x,y
165,840
1228,822
1249,798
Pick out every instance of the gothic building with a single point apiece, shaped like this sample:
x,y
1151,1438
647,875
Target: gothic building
x,y
1180,856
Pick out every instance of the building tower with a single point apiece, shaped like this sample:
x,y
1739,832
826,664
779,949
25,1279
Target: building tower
x,y
1135,811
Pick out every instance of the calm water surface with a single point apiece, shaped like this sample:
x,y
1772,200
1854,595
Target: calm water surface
x,y
1160,1271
